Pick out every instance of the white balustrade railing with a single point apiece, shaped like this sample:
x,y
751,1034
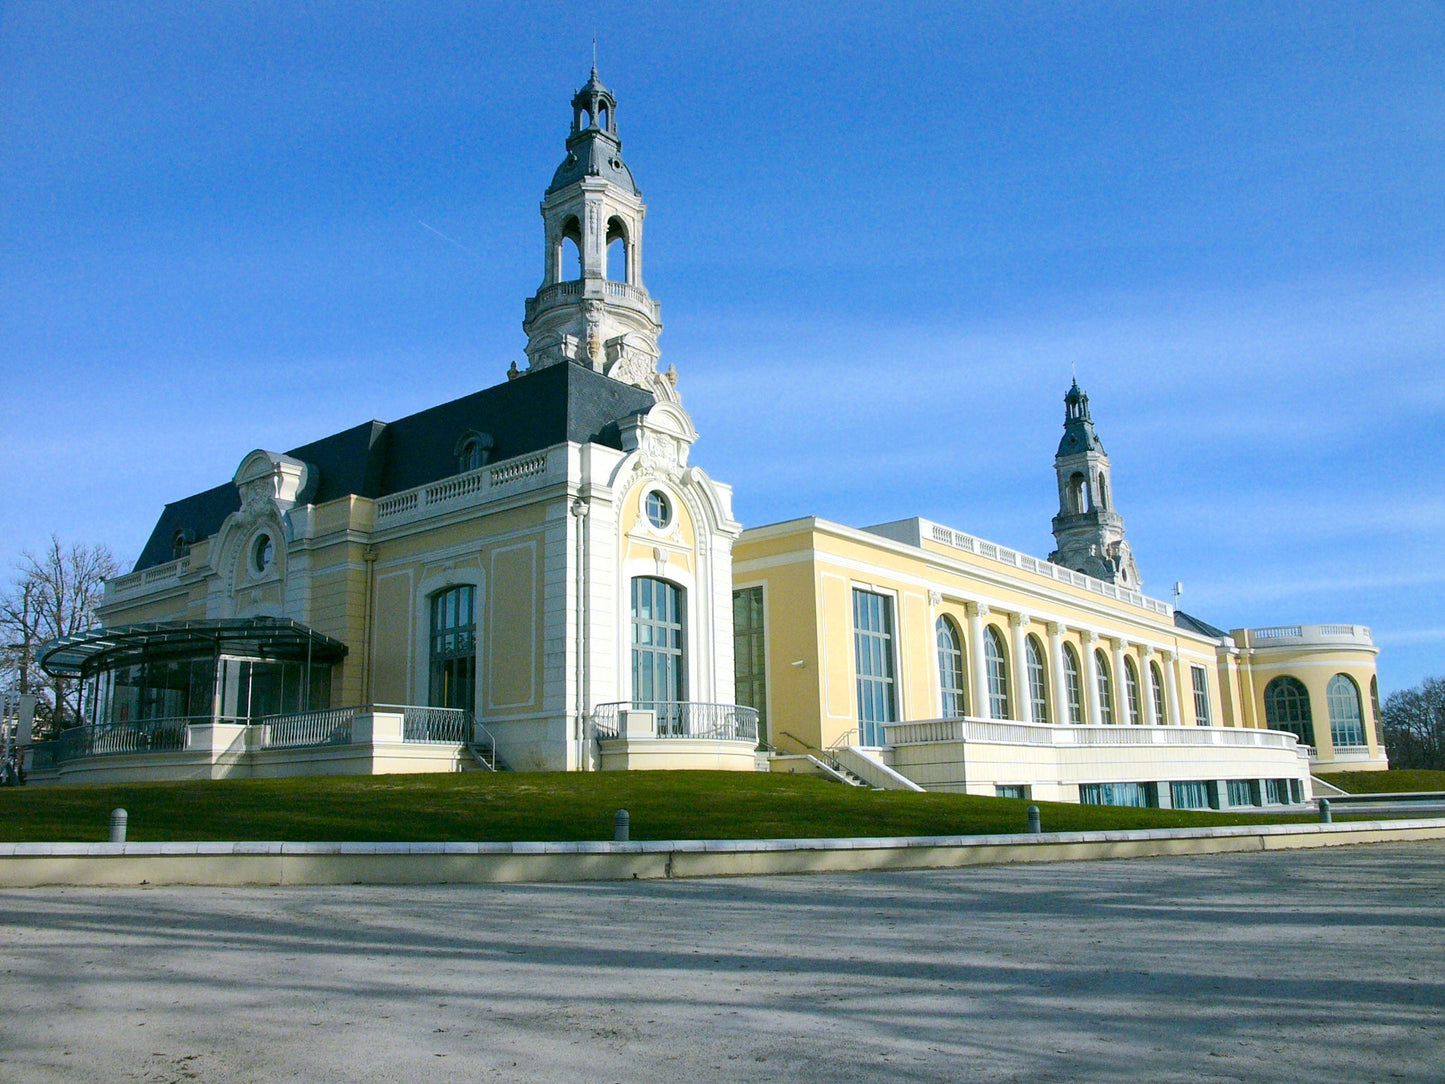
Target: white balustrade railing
x,y
458,491
1306,634
1008,732
991,550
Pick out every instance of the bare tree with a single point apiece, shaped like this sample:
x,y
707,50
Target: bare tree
x,y
54,595
1415,726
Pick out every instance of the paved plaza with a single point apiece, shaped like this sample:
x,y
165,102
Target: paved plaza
x,y
1303,965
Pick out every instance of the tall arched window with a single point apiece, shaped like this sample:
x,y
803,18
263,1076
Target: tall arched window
x,y
1131,692
1106,688
1073,685
453,662
951,684
659,671
1038,680
1156,677
1078,492
569,252
1346,725
617,245
997,664
1287,708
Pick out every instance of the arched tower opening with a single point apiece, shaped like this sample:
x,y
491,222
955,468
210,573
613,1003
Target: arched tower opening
x,y
619,264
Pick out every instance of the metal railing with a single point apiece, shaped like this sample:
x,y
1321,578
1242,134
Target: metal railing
x,y
299,730
112,739
683,719
432,724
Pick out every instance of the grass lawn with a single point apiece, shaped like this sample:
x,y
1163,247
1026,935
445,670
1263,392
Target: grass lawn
x,y
511,806
1391,782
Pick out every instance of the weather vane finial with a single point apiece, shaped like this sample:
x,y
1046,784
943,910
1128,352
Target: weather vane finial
x,y
594,54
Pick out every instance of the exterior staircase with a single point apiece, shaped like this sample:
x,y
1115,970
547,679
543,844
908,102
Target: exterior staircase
x,y
483,751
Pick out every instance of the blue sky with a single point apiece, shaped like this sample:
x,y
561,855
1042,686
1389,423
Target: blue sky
x,y
883,237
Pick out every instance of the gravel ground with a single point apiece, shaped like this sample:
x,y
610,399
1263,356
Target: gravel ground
x,y
1301,965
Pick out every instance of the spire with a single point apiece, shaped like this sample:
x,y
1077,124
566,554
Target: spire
x,y
1089,532
1079,435
592,308
593,146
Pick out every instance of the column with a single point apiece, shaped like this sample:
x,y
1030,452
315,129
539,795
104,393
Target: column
x,y
1060,691
1121,694
1023,700
977,670
1171,688
1091,679
1146,682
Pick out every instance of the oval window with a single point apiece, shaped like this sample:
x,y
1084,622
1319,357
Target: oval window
x,y
262,553
659,511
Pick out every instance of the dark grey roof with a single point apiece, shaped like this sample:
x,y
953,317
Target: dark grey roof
x,y
1079,435
593,153
1184,621
563,402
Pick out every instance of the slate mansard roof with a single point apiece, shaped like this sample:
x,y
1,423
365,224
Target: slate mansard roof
x,y
559,403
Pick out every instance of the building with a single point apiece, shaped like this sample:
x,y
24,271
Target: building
x,y
535,576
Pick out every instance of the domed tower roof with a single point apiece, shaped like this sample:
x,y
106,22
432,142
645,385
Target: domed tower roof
x,y
593,148
1079,435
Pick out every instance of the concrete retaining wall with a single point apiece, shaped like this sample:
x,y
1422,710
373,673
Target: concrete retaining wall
x,y
28,865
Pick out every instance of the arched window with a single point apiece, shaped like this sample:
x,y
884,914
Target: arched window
x,y
1073,685
473,450
1131,692
453,662
1038,680
951,684
1156,677
618,269
1106,690
997,664
1078,492
569,251
1346,725
602,119
1287,708
659,672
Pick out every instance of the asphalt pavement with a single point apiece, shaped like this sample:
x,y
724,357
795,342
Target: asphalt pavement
x,y
1304,965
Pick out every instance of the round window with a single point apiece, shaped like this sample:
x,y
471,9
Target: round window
x,y
262,553
659,511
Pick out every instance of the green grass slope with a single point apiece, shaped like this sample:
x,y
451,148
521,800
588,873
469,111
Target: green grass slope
x,y
1392,782
508,806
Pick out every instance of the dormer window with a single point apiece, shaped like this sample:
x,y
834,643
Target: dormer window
x,y
474,450
180,544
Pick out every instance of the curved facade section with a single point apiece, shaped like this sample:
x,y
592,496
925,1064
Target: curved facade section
x,y
1293,674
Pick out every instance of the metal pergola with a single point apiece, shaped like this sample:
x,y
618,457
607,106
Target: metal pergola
x,y
254,637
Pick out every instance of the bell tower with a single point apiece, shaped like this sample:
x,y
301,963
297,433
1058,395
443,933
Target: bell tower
x,y
592,308
1089,533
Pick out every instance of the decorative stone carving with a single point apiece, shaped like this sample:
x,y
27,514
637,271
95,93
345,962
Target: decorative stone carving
x,y
632,367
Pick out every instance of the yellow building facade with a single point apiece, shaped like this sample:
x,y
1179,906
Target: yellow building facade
x,y
537,577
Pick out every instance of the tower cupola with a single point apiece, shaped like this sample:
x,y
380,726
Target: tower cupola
x,y
1089,532
592,308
